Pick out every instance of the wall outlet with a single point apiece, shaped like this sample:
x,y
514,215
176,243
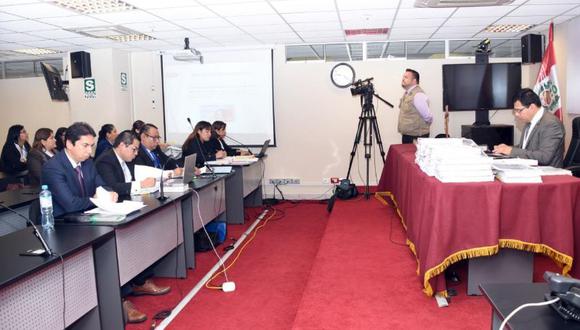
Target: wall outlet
x,y
334,180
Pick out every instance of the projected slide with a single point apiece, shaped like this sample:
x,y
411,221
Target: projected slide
x,y
234,86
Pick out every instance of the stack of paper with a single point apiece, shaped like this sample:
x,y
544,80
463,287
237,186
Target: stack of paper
x,y
549,170
453,160
517,173
107,207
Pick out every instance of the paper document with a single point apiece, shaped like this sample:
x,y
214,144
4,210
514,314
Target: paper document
x,y
143,172
108,207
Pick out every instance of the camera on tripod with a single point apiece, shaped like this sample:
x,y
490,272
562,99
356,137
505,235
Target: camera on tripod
x,y
362,87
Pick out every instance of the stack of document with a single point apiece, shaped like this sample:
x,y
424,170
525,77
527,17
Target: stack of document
x,y
107,207
517,173
453,160
236,160
549,170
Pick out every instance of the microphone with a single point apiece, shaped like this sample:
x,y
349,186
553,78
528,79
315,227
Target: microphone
x,y
240,143
203,157
47,250
162,197
189,121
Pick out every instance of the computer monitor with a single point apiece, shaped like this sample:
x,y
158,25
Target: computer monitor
x,y
53,82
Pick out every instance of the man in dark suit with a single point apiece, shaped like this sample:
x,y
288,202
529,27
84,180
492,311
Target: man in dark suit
x,y
543,135
71,175
150,153
116,168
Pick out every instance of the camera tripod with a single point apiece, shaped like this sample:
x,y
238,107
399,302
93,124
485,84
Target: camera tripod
x,y
367,128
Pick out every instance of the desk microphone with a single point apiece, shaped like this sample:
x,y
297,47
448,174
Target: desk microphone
x,y
189,121
47,250
240,143
162,197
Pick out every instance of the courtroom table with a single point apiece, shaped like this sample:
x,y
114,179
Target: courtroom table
x,y
449,222
34,290
19,200
504,298
243,188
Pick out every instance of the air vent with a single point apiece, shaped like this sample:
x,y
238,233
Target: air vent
x,y
460,3
116,33
368,32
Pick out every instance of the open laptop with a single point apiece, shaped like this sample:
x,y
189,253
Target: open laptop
x,y
188,171
262,152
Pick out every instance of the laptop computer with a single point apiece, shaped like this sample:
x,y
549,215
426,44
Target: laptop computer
x,y
262,152
188,171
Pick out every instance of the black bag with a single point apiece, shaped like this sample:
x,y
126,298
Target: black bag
x,y
201,240
346,190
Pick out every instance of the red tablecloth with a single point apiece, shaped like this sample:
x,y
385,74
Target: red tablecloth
x,y
449,222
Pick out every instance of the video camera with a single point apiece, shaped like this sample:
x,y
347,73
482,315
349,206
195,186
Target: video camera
x,y
362,87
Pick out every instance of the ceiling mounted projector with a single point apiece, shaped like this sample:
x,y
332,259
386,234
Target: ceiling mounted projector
x,y
188,54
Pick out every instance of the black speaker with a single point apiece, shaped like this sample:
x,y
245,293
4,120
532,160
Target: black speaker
x,y
532,48
80,64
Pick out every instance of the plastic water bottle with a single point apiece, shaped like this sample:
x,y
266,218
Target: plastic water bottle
x,y
46,208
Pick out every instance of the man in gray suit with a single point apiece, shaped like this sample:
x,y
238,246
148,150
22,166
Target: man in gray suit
x,y
543,136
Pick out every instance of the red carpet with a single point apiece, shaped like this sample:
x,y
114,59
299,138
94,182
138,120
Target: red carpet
x,y
308,270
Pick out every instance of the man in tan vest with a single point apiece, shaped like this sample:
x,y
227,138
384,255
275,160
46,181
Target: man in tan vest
x,y
415,118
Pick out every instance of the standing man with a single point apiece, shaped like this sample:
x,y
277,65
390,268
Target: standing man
x,y
150,153
543,136
415,118
71,175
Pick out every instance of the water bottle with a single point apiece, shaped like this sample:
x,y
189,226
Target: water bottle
x,y
46,208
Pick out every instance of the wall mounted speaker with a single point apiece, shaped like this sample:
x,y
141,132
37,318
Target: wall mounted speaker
x,y
80,64
532,48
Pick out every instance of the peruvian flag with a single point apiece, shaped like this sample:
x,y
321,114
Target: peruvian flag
x,y
547,82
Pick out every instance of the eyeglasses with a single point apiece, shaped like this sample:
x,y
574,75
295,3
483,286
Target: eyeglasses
x,y
153,137
519,110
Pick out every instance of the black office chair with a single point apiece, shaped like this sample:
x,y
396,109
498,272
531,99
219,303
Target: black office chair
x,y
572,159
34,212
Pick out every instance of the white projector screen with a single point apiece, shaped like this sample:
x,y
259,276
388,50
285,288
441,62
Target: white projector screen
x,y
234,86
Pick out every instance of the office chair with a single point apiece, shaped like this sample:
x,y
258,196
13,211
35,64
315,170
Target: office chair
x,y
572,159
34,212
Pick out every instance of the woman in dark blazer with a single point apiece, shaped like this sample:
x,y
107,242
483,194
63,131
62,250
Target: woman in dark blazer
x,y
198,142
107,136
43,149
218,135
15,150
59,136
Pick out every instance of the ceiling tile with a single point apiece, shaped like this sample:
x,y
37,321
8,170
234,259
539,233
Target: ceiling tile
x,y
562,19
368,4
256,20
541,10
183,13
464,21
242,9
176,34
7,17
300,6
131,16
38,10
18,37
47,43
327,16
55,34
90,41
11,46
147,27
25,26
74,21
552,2
497,11
368,24
215,32
423,22
496,35
323,34
522,20
149,4
278,28
424,13
322,26
453,35
219,2
409,36
573,12
365,15
462,29
215,22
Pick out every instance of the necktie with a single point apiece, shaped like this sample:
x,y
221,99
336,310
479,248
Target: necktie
x,y
156,161
81,180
526,135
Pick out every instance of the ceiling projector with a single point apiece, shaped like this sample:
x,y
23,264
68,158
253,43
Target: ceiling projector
x,y
188,54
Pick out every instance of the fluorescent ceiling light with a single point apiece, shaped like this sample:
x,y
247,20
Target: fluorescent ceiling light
x,y
95,6
503,28
36,51
116,33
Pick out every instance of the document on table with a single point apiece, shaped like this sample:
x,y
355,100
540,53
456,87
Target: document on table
x,y
106,206
143,172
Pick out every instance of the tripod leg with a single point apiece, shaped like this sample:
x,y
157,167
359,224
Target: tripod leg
x,y
378,135
368,139
356,142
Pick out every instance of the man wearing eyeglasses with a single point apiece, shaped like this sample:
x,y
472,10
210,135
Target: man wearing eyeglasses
x,y
543,135
116,168
150,153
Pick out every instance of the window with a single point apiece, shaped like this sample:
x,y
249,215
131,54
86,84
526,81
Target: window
x,y
25,69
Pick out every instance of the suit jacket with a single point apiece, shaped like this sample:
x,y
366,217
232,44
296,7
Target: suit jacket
x,y
110,170
144,159
204,150
545,143
61,179
215,144
36,159
11,158
102,146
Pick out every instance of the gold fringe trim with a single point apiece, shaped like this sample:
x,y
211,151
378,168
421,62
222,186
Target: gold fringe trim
x,y
561,259
381,197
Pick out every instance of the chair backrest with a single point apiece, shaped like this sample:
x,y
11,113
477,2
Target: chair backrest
x,y
34,212
573,154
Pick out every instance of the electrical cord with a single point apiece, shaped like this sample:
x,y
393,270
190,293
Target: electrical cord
x,y
254,233
63,292
545,303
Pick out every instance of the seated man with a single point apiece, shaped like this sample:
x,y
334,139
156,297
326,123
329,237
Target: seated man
x,y
116,168
543,136
71,175
117,171
150,153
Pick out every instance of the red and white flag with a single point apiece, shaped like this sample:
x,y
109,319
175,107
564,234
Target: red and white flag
x,y
547,82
